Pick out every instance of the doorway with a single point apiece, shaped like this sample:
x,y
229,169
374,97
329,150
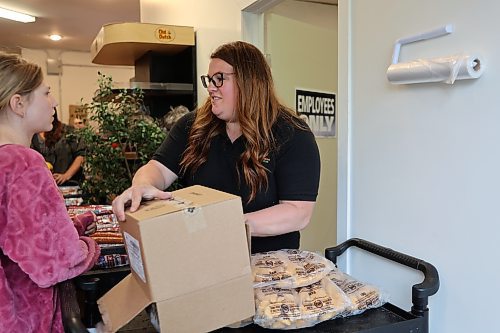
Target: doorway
x,y
299,39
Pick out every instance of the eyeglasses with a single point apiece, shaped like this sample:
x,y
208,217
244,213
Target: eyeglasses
x,y
217,79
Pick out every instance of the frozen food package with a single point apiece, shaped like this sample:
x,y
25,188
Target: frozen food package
x,y
362,295
289,268
279,308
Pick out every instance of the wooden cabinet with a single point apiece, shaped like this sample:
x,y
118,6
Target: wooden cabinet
x,y
164,58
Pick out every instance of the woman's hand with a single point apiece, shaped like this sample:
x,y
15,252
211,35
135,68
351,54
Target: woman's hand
x,y
146,183
61,178
133,196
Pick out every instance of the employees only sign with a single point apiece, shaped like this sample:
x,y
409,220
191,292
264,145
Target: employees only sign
x,y
318,110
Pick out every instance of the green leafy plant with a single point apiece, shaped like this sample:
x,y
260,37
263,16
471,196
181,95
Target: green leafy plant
x,y
119,139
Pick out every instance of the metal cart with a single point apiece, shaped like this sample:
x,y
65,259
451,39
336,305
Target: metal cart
x,y
386,319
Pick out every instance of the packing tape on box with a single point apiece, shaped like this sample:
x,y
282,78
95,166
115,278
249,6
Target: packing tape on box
x,y
180,202
193,216
194,219
443,69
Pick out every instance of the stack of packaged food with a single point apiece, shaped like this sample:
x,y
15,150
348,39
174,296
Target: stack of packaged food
x,y
296,289
72,195
107,235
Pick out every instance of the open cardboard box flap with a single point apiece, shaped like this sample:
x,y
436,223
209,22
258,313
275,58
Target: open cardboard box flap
x,y
128,297
212,307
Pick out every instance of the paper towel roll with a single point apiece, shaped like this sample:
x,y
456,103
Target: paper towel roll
x,y
444,69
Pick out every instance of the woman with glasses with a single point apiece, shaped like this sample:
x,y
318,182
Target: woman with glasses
x,y
243,141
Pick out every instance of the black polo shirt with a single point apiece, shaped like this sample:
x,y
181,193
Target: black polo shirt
x,y
293,171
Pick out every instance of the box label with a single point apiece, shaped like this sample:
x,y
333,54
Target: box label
x,y
134,255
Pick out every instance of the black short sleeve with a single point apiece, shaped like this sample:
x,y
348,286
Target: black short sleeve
x,y
293,168
298,167
170,151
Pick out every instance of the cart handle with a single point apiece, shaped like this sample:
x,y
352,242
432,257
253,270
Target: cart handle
x,y
420,292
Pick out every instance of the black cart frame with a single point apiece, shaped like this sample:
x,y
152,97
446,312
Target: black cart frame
x,y
386,319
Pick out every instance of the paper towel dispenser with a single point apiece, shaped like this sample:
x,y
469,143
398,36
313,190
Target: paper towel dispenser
x,y
445,69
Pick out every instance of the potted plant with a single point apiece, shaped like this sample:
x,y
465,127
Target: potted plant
x,y
119,139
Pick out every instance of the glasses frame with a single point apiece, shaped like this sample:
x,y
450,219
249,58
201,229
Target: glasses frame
x,y
210,79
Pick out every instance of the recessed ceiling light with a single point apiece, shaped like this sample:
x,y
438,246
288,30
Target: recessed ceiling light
x,y
16,16
55,38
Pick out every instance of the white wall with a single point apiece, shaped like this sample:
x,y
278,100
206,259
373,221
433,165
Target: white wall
x,y
420,163
77,78
301,43
215,22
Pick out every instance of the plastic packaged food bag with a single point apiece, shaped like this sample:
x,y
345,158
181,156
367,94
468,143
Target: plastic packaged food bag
x,y
294,308
362,295
289,268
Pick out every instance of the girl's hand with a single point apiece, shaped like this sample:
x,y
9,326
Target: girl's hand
x,y
91,228
85,223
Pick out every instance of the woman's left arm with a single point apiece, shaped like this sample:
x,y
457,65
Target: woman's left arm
x,y
287,216
297,176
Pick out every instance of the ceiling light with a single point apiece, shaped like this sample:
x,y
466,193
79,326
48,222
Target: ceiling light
x,y
55,38
16,16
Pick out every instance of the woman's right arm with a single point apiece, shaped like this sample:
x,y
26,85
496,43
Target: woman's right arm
x,y
151,179
148,183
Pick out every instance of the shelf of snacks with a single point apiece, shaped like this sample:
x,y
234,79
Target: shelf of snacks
x,y
107,235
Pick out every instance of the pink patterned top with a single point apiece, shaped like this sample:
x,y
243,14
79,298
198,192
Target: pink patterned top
x,y
39,246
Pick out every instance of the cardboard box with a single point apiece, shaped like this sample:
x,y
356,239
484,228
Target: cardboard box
x,y
76,111
190,256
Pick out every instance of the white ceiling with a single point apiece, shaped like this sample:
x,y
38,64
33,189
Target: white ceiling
x,y
78,21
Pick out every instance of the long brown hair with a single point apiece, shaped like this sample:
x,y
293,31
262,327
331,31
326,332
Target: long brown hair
x,y
56,133
257,109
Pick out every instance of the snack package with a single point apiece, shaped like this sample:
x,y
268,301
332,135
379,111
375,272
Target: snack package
x,y
289,268
362,295
278,308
